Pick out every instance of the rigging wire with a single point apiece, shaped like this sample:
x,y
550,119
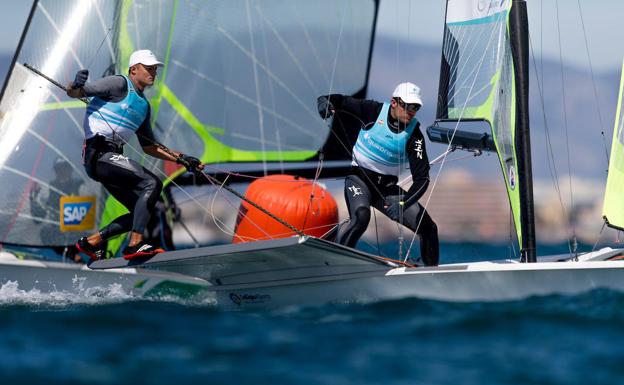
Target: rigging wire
x,y
602,126
218,222
376,232
552,165
604,224
317,175
593,78
400,151
257,88
565,122
98,48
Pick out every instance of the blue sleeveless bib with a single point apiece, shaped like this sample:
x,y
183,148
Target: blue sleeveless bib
x,y
124,117
380,149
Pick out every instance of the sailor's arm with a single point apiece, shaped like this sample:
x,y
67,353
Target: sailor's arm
x,y
151,147
419,166
113,88
160,151
365,110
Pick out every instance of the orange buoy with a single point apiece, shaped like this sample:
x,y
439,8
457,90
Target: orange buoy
x,y
299,202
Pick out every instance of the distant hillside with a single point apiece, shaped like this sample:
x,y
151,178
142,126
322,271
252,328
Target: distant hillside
x,y
395,62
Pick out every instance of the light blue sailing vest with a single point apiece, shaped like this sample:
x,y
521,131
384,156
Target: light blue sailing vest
x,y
124,117
380,149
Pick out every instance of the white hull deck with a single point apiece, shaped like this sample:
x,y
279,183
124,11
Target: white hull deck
x,y
308,271
466,283
48,277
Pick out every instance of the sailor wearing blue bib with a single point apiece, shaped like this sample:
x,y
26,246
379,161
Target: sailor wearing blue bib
x,y
389,138
117,111
118,121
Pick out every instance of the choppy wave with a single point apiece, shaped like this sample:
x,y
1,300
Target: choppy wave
x,y
545,340
11,294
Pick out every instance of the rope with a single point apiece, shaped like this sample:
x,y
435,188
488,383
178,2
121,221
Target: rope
x,y
254,204
216,221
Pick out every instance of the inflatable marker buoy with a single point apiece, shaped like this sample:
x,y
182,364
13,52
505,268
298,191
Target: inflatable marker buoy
x,y
304,205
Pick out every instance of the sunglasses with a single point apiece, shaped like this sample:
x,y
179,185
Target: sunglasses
x,y
407,107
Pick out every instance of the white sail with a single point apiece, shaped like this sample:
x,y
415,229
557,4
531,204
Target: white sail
x,y
239,84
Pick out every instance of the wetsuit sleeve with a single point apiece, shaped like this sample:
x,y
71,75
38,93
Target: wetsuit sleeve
x,y
144,133
365,110
110,88
419,166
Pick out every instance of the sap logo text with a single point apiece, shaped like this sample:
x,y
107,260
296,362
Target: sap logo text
x,y
73,214
77,213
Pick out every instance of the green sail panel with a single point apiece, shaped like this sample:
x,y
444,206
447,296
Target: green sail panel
x,y
613,208
477,80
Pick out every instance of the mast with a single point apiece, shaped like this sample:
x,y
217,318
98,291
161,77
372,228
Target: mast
x,y
19,47
519,31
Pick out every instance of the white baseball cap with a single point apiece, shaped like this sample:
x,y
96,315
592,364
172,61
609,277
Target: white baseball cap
x,y
408,92
143,56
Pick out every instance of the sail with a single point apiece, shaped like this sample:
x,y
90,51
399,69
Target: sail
x,y
240,83
613,207
477,81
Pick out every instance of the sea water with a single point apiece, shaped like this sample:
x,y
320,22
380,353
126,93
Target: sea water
x,y
113,338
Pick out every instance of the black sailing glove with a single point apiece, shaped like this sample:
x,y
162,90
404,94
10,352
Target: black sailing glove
x,y
80,79
190,162
325,108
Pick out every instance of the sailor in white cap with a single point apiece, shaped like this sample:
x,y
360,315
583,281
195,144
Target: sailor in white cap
x,y
389,136
117,111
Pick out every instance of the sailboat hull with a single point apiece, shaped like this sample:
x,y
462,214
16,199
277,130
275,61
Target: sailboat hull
x,y
309,271
464,284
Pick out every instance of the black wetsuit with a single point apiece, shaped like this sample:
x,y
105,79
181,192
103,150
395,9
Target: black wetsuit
x,y
131,184
365,188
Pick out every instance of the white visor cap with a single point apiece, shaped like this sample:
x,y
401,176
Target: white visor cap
x,y
408,92
143,56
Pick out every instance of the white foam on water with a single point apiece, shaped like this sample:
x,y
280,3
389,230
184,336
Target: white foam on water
x,y
198,300
11,294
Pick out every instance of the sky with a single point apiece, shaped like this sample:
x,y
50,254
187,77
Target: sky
x,y
13,15
422,21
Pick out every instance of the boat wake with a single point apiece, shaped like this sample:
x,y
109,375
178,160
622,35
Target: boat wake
x,y
11,294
